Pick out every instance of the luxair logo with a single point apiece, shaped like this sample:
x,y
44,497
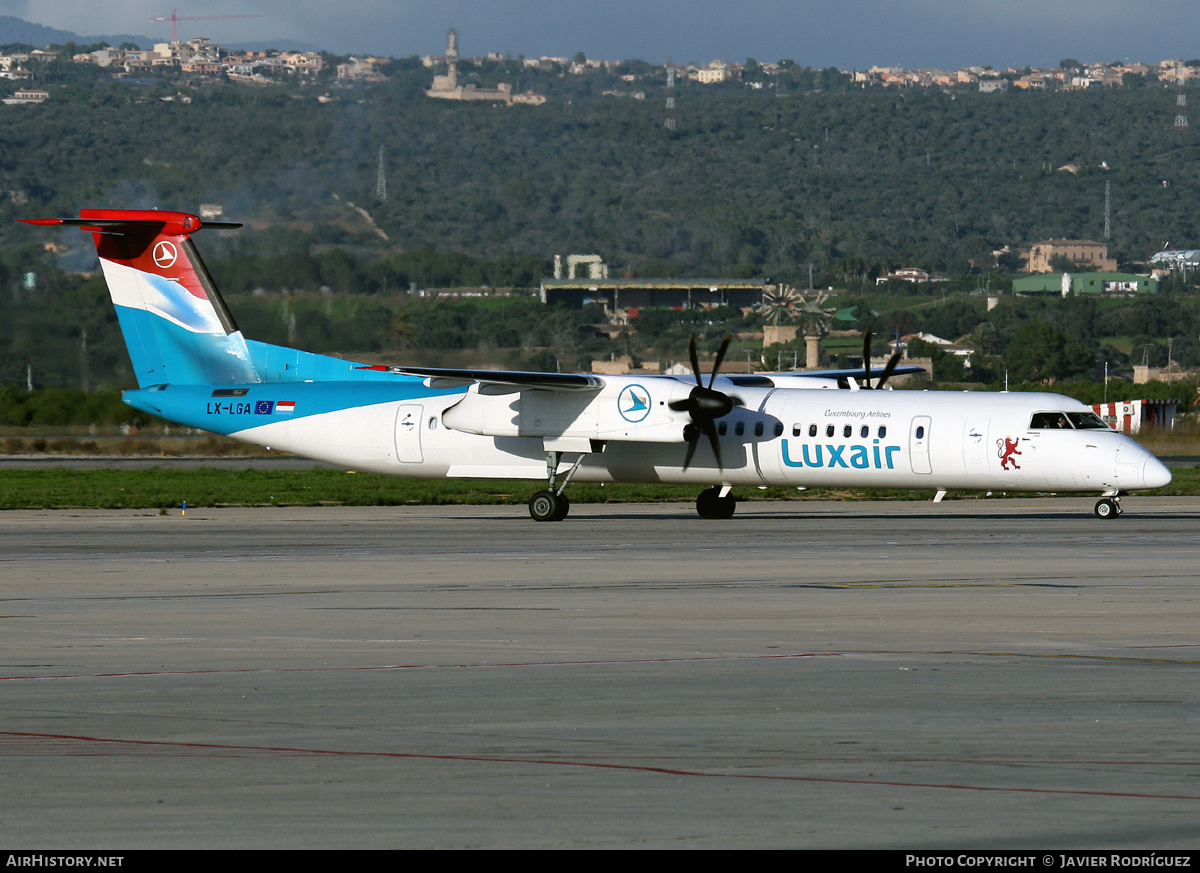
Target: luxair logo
x,y
165,254
870,457
633,403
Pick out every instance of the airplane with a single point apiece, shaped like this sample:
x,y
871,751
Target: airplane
x,y
827,429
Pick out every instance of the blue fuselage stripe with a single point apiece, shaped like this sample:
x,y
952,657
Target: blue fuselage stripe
x,y
229,409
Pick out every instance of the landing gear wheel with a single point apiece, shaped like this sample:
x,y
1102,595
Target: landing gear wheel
x,y
548,506
710,504
1107,508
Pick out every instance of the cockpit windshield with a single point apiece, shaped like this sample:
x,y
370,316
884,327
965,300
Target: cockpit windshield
x,y
1087,421
1066,421
1049,421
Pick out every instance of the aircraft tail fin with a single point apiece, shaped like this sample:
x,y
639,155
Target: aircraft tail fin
x,y
175,323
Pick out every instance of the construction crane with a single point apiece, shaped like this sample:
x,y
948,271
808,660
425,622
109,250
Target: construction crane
x,y
175,18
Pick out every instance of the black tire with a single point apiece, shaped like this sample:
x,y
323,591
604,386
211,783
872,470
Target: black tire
x,y
1107,508
548,506
710,504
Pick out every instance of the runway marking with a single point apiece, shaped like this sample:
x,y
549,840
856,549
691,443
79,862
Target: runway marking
x,y
609,661
222,748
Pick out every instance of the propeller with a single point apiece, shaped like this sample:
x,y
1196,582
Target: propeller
x,y
705,405
888,368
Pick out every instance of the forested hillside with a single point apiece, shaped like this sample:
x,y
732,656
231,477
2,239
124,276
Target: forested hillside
x,y
753,183
750,182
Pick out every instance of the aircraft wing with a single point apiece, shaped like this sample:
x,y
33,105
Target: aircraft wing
x,y
858,372
509,380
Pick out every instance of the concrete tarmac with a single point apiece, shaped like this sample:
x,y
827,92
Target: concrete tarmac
x,y
1001,674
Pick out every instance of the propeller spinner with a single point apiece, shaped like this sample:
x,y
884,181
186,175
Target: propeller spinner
x,y
705,405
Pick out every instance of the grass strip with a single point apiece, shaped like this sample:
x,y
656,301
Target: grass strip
x,y
164,488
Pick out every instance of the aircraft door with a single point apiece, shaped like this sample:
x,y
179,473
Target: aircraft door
x,y
918,444
408,433
975,445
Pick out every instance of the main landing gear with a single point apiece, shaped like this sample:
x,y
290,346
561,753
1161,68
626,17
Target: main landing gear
x,y
548,506
716,502
552,504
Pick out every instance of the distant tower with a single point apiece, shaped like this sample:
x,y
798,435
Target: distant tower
x,y
669,118
452,58
1180,100
381,181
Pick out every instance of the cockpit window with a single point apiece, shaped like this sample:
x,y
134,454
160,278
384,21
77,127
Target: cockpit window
x,y
1049,421
1087,421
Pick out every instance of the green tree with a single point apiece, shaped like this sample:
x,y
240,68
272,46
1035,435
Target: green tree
x,y
1039,353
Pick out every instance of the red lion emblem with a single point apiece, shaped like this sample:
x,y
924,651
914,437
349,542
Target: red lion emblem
x,y
1005,449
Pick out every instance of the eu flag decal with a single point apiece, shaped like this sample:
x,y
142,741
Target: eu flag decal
x,y
264,407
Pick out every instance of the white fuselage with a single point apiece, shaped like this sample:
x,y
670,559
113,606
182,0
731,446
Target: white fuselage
x,y
798,437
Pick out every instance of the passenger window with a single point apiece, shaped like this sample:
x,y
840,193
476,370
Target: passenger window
x,y
739,428
920,432
812,430
779,428
882,431
829,431
846,431
723,428
758,428
795,429
865,432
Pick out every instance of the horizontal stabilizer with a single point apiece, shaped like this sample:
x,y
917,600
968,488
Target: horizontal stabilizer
x,y
133,224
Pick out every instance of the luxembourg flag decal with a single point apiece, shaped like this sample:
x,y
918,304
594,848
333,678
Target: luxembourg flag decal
x,y
285,407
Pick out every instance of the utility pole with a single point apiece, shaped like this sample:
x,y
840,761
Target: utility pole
x,y
1107,209
1180,99
381,180
669,117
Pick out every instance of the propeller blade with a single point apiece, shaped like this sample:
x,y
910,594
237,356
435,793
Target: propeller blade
x,y
693,438
890,368
695,361
720,357
705,404
711,430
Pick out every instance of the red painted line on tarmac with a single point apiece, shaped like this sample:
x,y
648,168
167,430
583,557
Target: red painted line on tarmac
x,y
593,765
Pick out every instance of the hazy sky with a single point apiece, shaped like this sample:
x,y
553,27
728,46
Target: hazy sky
x,y
818,33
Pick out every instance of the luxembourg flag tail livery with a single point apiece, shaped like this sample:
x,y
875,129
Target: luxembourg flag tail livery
x,y
831,428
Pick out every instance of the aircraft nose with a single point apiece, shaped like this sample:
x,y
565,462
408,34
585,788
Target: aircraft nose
x,y
1155,474
1137,468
